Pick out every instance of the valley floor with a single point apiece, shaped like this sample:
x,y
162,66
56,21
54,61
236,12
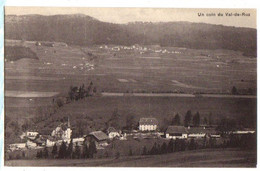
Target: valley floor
x,y
198,158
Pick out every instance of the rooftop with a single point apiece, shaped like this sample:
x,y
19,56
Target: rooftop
x,y
148,121
177,129
99,135
198,130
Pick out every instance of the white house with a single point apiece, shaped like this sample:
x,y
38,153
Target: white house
x,y
62,131
174,132
17,146
112,133
50,143
31,134
30,144
148,124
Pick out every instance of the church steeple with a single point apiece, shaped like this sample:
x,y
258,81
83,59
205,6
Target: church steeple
x,y
68,122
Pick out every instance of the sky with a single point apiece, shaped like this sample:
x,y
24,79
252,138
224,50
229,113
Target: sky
x,y
125,15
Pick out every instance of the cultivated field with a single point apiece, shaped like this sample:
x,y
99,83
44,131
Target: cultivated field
x,y
198,158
189,71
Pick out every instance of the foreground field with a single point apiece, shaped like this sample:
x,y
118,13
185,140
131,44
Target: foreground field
x,y
199,158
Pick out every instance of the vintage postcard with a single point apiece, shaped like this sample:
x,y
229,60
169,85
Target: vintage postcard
x,y
130,87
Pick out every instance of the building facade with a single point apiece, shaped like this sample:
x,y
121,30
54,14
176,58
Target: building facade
x,y
176,132
148,124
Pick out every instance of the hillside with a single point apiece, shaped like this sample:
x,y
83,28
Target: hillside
x,y
80,29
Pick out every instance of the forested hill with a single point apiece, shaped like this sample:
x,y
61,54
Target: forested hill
x,y
80,29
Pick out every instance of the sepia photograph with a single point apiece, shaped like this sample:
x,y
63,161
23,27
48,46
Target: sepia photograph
x,y
130,87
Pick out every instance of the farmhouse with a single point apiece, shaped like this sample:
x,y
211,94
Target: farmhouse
x,y
99,137
112,133
31,135
174,132
200,132
148,124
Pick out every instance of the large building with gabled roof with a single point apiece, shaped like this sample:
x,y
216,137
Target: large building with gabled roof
x,y
176,132
148,124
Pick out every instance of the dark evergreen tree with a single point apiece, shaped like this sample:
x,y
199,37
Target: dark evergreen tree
x,y
92,149
170,147
154,149
164,148
54,150
77,151
187,119
144,151
45,153
182,145
196,119
192,145
117,155
70,149
62,150
40,154
130,122
130,152
86,151
205,121
115,119
176,120
83,92
234,90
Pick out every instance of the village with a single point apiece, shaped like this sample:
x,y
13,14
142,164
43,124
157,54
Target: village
x,y
191,137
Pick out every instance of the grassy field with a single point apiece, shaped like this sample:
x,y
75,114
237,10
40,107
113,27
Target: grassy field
x,y
198,158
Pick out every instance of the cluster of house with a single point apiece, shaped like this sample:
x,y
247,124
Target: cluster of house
x,y
148,128
137,47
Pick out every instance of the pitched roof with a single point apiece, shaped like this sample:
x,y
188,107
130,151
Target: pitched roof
x,y
197,130
148,121
176,129
99,135
111,129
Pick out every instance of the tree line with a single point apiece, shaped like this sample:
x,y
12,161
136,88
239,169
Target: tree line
x,y
69,151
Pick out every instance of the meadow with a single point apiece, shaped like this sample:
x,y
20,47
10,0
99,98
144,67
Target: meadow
x,y
198,158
